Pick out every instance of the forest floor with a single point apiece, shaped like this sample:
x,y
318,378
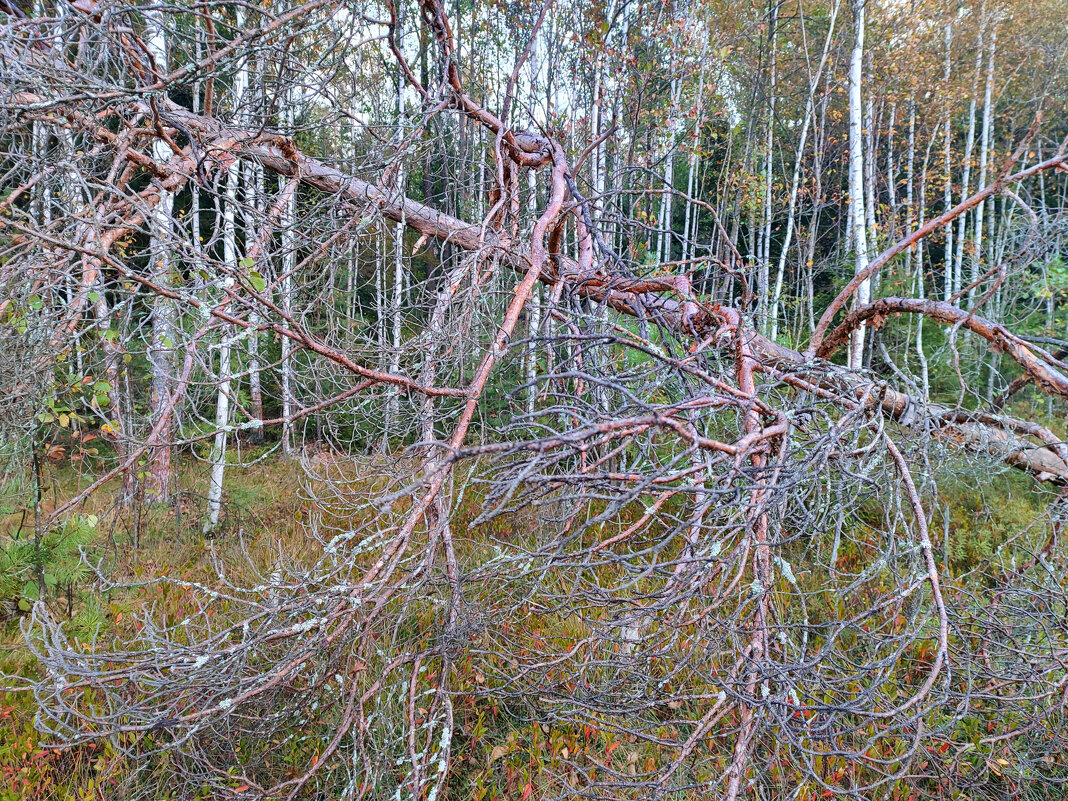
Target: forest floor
x,y
262,507
501,757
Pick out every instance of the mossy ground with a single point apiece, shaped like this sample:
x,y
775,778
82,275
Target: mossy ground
x,y
498,755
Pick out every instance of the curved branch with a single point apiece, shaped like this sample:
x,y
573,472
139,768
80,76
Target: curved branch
x,y
1057,162
665,299
1036,362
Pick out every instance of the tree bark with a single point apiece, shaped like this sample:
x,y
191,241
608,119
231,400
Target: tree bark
x,y
856,176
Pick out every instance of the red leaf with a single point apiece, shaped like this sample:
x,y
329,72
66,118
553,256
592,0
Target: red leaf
x,y
527,790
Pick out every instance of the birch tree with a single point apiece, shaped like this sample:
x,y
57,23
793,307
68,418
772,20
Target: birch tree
x,y
858,218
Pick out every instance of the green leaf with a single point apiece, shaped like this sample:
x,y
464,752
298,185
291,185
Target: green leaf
x,y
246,262
31,590
101,386
256,280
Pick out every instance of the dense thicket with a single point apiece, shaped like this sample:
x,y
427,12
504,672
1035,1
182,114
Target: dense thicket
x,y
631,351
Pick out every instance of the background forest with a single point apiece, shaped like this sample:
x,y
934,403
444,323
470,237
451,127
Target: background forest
x,y
526,400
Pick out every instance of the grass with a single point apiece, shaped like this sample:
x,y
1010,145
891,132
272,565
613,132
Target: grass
x,y
262,505
500,752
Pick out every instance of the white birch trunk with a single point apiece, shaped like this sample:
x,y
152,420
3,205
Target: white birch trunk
x,y
984,158
689,227
925,381
768,173
255,385
230,256
396,304
287,221
950,279
856,176
533,309
969,150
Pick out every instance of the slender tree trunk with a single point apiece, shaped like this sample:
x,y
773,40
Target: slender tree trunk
x,y
768,173
856,176
159,478
665,233
969,149
597,165
255,384
534,310
381,304
910,170
287,221
689,227
230,257
534,304
891,179
194,188
795,182
253,216
397,303
869,130
921,213
984,156
950,279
